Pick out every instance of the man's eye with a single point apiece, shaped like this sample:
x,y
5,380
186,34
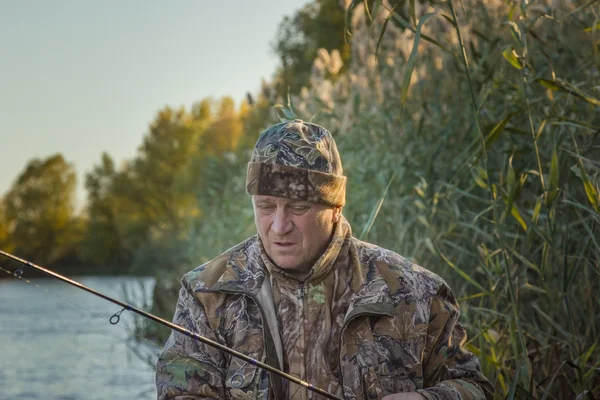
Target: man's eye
x,y
299,208
266,208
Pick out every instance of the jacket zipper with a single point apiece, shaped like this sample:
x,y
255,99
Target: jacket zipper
x,y
302,318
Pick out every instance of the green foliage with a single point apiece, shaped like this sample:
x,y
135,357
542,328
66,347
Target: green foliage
x,y
318,25
102,244
135,211
5,240
38,214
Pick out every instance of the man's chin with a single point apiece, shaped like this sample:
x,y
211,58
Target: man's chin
x,y
287,263
287,266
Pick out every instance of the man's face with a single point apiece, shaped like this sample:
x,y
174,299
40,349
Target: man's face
x,y
294,233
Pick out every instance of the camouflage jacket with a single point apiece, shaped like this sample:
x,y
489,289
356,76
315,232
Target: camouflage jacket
x,y
365,323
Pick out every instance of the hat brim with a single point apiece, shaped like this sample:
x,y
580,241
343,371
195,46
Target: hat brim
x,y
295,183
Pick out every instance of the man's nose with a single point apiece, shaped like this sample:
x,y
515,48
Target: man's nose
x,y
282,224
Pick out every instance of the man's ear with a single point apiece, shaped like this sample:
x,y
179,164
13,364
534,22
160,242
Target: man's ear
x,y
337,213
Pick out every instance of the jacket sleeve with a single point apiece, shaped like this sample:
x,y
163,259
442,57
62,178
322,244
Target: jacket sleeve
x,y
188,369
450,371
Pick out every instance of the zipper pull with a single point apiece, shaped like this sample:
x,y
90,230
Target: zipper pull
x,y
302,290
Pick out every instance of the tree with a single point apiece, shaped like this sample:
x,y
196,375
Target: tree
x,y
146,186
103,242
319,24
5,239
224,132
40,210
139,214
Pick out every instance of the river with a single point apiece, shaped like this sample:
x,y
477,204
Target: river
x,y
56,341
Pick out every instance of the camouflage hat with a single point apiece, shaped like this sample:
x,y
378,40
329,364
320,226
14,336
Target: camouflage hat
x,y
297,160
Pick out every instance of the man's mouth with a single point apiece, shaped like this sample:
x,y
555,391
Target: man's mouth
x,y
284,244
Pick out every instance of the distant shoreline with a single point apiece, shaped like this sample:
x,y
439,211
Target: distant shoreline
x,y
29,272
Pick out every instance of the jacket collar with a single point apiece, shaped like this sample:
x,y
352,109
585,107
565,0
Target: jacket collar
x,y
332,257
243,269
238,270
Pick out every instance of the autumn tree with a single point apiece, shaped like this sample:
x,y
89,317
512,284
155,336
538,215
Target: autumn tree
x,y
137,213
145,187
143,215
224,131
5,242
39,210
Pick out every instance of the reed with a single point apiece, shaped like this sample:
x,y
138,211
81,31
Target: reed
x,y
494,148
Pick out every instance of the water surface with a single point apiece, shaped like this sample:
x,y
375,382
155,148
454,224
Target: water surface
x,y
56,341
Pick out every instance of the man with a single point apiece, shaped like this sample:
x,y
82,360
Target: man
x,y
304,296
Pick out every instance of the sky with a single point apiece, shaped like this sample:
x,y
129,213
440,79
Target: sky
x,y
84,77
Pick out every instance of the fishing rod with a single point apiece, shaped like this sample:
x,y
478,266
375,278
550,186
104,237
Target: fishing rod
x,y
116,317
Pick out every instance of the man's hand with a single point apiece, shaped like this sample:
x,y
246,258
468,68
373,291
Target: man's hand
x,y
405,396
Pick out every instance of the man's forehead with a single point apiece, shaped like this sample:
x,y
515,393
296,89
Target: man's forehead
x,y
261,198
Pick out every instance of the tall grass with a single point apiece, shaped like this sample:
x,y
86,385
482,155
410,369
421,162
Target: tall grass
x,y
495,158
